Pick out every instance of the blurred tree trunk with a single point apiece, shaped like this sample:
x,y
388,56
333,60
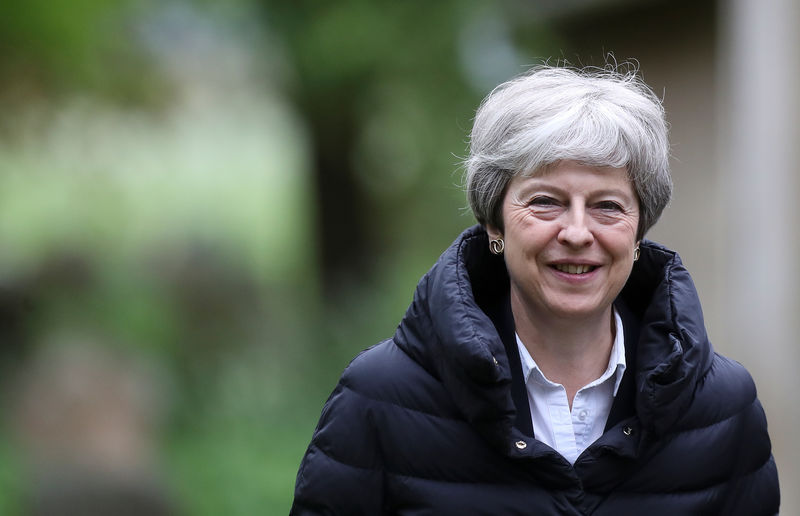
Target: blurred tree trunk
x,y
326,99
345,56
340,204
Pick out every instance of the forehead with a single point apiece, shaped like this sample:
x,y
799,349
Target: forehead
x,y
571,175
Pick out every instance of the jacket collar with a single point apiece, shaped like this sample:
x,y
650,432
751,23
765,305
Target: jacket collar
x,y
673,350
448,331
459,328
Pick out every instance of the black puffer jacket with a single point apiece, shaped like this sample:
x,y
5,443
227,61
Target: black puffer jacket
x,y
436,420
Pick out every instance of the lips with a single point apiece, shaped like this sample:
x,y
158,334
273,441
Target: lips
x,y
572,268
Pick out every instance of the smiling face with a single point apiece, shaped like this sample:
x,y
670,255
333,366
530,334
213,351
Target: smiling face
x,y
569,235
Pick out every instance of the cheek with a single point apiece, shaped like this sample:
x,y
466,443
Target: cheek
x,y
529,238
620,243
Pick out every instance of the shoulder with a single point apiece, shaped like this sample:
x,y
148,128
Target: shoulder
x,y
366,371
386,377
345,436
719,449
726,419
724,401
725,390
382,389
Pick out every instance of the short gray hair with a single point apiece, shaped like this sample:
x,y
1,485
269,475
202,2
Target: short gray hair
x,y
597,117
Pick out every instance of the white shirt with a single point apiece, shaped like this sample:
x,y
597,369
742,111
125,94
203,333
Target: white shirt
x,y
571,432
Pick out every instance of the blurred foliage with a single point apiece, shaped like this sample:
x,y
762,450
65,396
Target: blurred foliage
x,y
175,178
61,47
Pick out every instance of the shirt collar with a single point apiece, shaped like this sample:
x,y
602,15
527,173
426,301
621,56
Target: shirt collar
x,y
616,360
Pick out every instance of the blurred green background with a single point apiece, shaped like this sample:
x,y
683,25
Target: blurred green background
x,y
207,208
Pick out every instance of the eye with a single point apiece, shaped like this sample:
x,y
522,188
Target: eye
x,y
609,206
543,201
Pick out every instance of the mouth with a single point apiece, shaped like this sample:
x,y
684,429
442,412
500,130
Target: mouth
x,y
571,268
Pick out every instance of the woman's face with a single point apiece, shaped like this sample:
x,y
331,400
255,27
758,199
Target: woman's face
x,y
570,235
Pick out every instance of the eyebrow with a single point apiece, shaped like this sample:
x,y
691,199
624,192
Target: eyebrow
x,y
537,184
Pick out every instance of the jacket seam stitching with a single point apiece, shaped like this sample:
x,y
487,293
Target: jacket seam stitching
x,y
738,413
716,485
345,463
398,405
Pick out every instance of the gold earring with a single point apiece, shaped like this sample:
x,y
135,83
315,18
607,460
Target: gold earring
x,y
497,246
636,253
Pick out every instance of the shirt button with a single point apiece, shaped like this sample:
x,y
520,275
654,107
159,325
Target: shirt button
x,y
521,445
582,415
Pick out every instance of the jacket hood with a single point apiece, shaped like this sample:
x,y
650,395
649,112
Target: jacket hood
x,y
446,331
449,331
673,350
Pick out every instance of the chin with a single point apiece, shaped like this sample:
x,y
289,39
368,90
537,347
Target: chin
x,y
578,310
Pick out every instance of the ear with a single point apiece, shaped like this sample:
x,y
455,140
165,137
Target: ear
x,y
493,232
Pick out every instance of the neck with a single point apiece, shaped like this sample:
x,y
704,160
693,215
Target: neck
x,y
570,351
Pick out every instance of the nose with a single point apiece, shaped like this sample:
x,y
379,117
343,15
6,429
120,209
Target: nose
x,y
575,232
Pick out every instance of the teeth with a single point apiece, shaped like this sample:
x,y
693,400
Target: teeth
x,y
573,269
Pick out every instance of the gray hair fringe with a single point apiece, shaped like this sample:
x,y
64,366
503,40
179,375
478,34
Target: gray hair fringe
x,y
602,117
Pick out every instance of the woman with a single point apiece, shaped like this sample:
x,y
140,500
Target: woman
x,y
552,361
